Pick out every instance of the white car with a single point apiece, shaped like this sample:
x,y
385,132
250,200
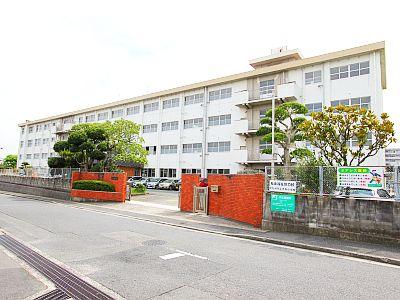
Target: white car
x,y
362,193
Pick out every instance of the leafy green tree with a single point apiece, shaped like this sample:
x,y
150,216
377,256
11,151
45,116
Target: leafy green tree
x,y
333,129
124,143
10,161
288,118
99,146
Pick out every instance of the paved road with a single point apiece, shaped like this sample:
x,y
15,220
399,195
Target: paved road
x,y
142,260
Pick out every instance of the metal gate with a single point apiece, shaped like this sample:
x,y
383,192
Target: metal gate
x,y
200,200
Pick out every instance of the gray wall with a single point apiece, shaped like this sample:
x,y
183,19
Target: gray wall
x,y
45,187
365,220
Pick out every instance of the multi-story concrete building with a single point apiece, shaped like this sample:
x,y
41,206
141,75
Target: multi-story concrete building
x,y
392,156
210,126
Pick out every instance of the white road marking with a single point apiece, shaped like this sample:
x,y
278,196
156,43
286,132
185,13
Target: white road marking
x,y
190,254
172,255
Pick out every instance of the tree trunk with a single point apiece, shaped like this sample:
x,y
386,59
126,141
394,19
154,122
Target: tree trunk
x,y
286,163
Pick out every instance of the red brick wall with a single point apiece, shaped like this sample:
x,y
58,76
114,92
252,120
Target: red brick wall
x,y
117,179
188,181
240,197
130,171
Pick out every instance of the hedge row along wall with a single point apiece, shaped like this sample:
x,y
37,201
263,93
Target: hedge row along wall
x,y
117,179
240,196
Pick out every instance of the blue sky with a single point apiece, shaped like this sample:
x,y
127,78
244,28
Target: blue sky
x,y
58,56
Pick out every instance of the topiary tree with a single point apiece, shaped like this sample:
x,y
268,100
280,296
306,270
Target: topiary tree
x,y
288,118
333,129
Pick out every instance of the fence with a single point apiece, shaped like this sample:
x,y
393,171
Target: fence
x,y
41,172
323,180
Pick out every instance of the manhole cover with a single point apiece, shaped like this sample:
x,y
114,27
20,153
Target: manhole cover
x,y
154,243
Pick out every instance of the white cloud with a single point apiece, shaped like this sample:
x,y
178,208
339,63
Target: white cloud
x,y
58,56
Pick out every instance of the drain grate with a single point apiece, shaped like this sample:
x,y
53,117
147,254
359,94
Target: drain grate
x,y
64,280
54,295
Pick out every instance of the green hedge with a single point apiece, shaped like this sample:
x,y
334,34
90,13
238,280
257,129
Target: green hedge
x,y
93,185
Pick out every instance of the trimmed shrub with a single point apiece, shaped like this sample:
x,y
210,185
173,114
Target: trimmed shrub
x,y
139,188
93,185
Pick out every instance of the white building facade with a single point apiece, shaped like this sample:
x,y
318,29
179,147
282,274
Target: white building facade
x,y
209,127
392,156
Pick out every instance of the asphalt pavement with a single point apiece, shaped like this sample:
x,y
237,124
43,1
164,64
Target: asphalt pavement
x,y
145,260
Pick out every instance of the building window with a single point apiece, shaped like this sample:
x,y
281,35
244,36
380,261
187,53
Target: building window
x,y
169,126
193,99
37,142
167,172
28,156
267,88
219,120
218,171
133,110
117,113
22,130
264,145
263,113
53,139
192,148
149,128
356,69
220,94
45,141
219,146
90,118
68,120
102,116
44,155
151,150
354,142
29,143
314,107
361,102
313,77
36,156
169,149
170,103
21,144
191,123
30,129
38,128
150,107
81,120
149,172
46,127
191,171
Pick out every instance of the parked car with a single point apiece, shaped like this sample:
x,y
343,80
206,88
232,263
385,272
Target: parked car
x,y
362,193
160,181
176,184
152,183
168,184
134,180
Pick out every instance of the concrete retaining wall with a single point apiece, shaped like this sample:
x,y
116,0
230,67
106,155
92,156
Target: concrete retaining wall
x,y
350,218
45,187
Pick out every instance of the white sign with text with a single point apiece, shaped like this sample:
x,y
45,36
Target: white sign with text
x,y
283,186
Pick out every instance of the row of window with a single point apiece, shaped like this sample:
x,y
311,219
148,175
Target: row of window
x,y
190,123
37,142
351,70
190,148
38,128
151,172
38,155
360,102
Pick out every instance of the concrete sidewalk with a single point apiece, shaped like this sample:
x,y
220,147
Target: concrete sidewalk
x,y
18,281
153,212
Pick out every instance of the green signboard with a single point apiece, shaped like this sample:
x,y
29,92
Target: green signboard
x,y
283,203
